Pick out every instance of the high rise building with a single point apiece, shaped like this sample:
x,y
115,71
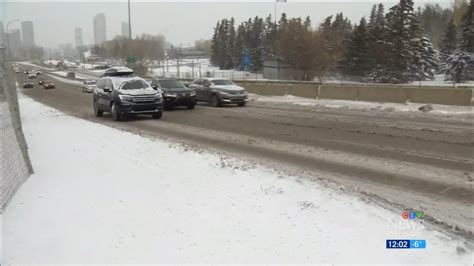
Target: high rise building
x,y
28,34
78,37
125,30
14,42
100,29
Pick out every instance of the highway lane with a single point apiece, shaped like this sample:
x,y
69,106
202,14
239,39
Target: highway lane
x,y
410,160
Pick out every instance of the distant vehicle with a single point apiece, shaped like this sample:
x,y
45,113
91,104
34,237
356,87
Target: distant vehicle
x,y
31,76
16,70
70,75
219,91
26,72
38,72
88,85
118,71
126,95
175,93
40,81
28,84
102,67
48,84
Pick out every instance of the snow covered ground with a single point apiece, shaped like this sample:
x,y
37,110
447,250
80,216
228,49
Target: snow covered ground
x,y
360,105
202,68
101,195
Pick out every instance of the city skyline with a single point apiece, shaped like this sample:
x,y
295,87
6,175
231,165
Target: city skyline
x,y
179,22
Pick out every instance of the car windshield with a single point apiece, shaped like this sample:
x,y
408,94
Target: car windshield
x,y
222,82
134,85
91,82
171,84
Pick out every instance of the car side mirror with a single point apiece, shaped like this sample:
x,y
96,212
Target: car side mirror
x,y
107,89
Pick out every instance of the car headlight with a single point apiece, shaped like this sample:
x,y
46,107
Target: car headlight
x,y
225,93
158,96
127,98
170,94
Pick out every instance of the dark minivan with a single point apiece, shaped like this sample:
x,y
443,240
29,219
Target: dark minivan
x,y
175,93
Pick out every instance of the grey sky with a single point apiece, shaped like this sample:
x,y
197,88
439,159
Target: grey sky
x,y
180,22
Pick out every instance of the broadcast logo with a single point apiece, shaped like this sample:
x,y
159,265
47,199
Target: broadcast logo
x,y
412,215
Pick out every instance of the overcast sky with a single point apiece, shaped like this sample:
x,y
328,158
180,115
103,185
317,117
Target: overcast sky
x,y
179,21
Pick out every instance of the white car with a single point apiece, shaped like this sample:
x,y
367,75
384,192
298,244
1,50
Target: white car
x,y
88,85
32,76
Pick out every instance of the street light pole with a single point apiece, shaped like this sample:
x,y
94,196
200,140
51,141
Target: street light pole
x,y
129,22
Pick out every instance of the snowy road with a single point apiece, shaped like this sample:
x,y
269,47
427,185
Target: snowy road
x,y
146,200
392,154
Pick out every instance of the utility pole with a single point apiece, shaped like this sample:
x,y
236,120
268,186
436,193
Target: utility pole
x,y
179,55
3,47
129,22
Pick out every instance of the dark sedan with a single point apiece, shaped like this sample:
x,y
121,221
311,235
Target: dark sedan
x,y
175,93
48,85
28,84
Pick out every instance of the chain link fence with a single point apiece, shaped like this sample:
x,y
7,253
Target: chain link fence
x,y
15,163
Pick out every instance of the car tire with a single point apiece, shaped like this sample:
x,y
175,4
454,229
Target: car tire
x,y
191,106
157,115
97,111
215,101
115,112
241,104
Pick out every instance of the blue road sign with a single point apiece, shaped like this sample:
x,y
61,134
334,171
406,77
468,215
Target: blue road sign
x,y
246,58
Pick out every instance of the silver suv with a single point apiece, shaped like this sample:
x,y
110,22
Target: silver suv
x,y
219,91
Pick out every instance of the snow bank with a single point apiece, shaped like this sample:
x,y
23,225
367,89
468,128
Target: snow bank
x,y
360,105
100,195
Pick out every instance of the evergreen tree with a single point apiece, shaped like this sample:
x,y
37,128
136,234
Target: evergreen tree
x,y
425,61
468,29
380,18
215,46
230,45
269,40
402,45
461,62
373,16
448,44
239,46
356,61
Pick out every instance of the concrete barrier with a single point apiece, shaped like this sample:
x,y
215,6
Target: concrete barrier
x,y
391,94
271,90
338,92
372,93
448,96
307,91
